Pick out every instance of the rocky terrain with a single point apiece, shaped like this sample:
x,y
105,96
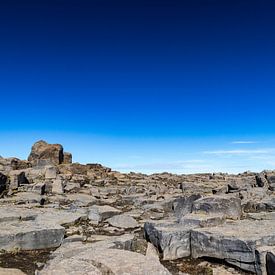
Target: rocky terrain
x,y
59,217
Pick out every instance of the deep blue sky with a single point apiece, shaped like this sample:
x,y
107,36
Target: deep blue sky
x,y
183,86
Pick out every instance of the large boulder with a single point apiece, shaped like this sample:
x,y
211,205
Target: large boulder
x,y
41,150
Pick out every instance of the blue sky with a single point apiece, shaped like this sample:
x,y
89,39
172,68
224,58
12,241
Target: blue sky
x,y
180,86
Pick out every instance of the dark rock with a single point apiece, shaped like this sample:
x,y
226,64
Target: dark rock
x,y
3,183
270,263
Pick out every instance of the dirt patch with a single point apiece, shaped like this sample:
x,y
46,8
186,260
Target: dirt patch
x,y
28,262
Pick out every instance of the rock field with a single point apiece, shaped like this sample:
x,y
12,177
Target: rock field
x,y
60,217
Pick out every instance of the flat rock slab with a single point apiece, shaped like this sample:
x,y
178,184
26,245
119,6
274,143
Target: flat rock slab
x,y
202,220
123,221
171,239
230,207
105,261
30,235
234,241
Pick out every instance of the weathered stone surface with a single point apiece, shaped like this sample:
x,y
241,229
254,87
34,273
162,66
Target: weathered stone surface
x,y
58,186
17,178
41,150
123,221
30,235
11,271
202,220
235,242
68,158
265,260
99,213
171,239
230,207
105,261
184,205
50,172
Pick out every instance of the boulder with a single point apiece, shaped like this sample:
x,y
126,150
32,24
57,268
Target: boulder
x,y
229,207
41,150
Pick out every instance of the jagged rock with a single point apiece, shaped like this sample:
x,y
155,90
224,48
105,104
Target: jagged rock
x,y
235,242
99,213
230,207
41,150
171,239
123,221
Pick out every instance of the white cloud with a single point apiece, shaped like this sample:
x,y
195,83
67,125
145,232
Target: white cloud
x,y
239,152
244,142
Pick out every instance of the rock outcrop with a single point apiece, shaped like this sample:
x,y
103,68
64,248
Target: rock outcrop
x,y
89,219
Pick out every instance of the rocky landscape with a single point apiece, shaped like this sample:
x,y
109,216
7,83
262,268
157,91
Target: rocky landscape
x,y
59,217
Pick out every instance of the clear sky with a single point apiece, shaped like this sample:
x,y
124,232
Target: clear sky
x,y
141,85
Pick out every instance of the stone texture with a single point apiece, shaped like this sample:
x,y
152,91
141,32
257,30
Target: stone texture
x,y
99,213
30,235
230,207
123,221
172,240
41,150
235,242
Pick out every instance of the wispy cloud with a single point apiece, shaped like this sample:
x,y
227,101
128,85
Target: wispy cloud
x,y
244,142
166,166
239,152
